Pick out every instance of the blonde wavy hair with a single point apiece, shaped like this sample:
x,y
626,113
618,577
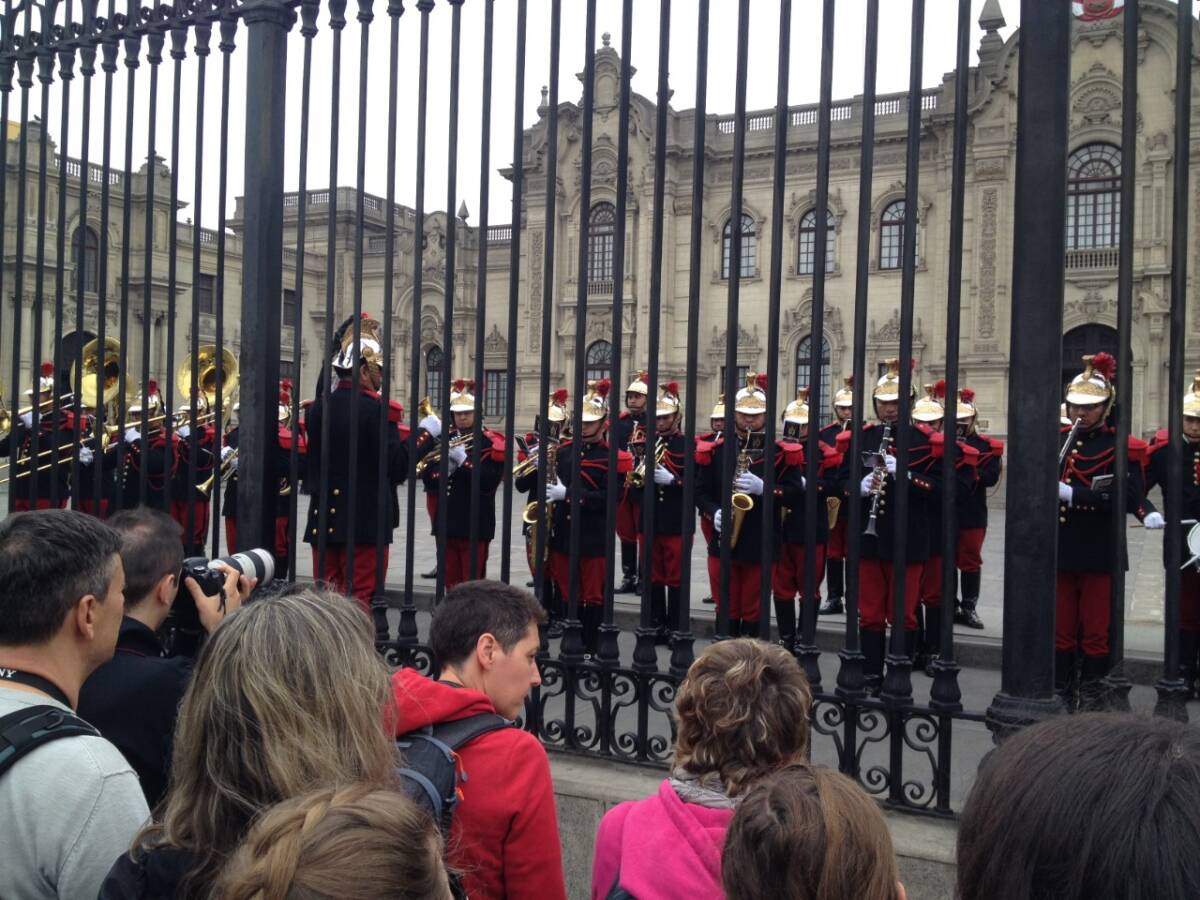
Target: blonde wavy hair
x,y
288,695
742,712
349,843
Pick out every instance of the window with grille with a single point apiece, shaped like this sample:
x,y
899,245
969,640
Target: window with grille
x,y
808,242
740,381
1094,197
495,393
289,308
433,375
891,236
804,371
206,293
86,244
601,227
749,248
598,361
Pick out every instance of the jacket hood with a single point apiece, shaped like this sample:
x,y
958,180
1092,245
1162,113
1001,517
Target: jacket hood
x,y
421,701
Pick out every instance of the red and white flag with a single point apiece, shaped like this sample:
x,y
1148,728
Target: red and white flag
x,y
1093,10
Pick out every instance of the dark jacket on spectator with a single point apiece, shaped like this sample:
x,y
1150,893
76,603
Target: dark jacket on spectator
x,y
134,699
154,874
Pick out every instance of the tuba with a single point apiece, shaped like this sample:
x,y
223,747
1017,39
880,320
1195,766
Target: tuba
x,y
99,372
206,365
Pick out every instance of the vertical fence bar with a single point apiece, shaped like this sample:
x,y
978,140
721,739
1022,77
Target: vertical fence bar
x,y
337,22
66,63
682,654
407,634
154,45
7,65
514,290
267,25
25,80
1117,681
571,648
178,55
944,693
108,62
87,69
132,41
485,155
1039,223
443,518
196,536
45,59
897,685
228,31
383,518
645,657
729,450
1171,689
309,10
364,17
807,649
548,295
769,547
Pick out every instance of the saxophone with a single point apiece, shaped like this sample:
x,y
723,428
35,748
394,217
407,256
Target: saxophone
x,y
880,474
530,516
742,503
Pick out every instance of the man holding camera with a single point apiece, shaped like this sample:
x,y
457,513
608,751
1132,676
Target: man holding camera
x,y
69,802
134,697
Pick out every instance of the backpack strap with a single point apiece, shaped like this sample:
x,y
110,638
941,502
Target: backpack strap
x,y
461,732
25,730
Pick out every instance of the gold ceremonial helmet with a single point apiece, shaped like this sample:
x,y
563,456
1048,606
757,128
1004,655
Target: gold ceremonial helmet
x,y
929,408
556,410
797,411
1191,400
845,396
1095,383
150,400
370,344
595,401
752,399
462,395
668,399
887,388
1063,418
45,383
640,384
718,411
966,409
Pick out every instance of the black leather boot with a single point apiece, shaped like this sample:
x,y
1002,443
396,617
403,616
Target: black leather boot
x,y
591,617
785,621
835,582
1093,692
658,614
1064,679
1189,647
874,644
674,604
932,638
629,568
965,613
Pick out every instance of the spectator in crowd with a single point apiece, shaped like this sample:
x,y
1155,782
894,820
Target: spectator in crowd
x,y
134,697
504,837
69,805
288,695
741,713
1094,807
348,843
809,832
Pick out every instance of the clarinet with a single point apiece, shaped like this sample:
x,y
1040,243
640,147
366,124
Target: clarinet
x,y
879,472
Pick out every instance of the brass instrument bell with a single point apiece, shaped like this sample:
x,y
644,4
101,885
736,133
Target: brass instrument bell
x,y
100,376
207,364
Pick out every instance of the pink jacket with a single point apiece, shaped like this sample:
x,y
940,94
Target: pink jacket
x,y
664,849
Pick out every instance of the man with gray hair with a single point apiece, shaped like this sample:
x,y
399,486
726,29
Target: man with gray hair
x,y
70,802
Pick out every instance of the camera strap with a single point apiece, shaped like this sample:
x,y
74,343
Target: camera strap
x,y
45,685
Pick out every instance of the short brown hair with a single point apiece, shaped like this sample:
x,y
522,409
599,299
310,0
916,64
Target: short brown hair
x,y
475,608
354,843
742,712
808,833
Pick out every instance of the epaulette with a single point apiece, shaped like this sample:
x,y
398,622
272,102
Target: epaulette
x,y
791,454
830,458
395,411
497,448
624,462
1139,450
704,452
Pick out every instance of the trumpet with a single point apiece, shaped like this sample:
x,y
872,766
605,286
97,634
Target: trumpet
x,y
435,455
741,502
637,478
204,489
526,466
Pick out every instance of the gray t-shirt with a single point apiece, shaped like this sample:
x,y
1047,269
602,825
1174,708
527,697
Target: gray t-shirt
x,y
68,809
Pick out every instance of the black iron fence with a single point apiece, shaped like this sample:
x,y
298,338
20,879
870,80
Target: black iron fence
x,y
103,436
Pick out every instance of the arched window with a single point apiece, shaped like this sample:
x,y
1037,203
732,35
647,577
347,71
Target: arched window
x,y
1093,197
598,361
601,225
891,236
85,243
808,242
749,248
803,367
433,375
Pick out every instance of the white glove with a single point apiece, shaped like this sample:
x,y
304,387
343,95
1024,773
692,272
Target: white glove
x,y
717,521
749,483
890,462
1154,521
183,431
1066,493
86,456
457,456
233,464
432,424
225,453
864,486
27,419
803,483
663,476
132,435
556,491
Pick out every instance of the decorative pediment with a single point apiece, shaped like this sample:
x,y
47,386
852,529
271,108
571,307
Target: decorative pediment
x,y
797,321
803,201
495,343
889,331
746,340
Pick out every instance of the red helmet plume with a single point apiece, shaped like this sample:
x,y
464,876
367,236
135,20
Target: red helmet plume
x,y
967,395
672,387
1104,364
560,396
47,369
761,380
939,389
603,386
151,388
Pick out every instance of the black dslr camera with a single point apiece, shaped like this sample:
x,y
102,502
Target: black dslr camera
x,y
184,633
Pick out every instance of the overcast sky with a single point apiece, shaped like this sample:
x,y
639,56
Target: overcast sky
x,y
764,31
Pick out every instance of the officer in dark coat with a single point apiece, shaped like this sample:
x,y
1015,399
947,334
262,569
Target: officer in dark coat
x,y
632,420
332,552
835,550
1086,543
95,467
787,581
1157,471
747,437
971,506
36,452
456,555
162,454
190,504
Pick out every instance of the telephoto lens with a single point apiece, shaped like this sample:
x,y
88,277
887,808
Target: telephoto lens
x,y
183,630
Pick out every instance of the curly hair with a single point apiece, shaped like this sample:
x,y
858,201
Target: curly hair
x,y
350,843
742,712
808,832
